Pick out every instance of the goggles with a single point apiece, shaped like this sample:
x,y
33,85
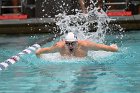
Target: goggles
x,y
68,43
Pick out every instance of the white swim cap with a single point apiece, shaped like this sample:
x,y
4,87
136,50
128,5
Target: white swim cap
x,y
71,37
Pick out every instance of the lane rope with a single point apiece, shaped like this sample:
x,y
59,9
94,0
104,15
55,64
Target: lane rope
x,y
29,50
14,59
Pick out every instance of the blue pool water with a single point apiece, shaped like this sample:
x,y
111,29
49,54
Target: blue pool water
x,y
102,72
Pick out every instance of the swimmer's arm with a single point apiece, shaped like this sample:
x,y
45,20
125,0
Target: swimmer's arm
x,y
51,49
96,47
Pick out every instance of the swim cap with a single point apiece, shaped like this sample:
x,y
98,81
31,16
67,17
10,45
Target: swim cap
x,y
71,37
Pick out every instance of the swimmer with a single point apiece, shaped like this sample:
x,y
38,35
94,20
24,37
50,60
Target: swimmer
x,y
71,46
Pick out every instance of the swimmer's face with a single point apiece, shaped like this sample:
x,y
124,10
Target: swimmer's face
x,y
71,45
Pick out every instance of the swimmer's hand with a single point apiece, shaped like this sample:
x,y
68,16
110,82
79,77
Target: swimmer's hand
x,y
115,47
37,53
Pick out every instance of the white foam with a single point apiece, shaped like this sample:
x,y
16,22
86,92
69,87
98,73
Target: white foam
x,y
56,57
93,56
99,54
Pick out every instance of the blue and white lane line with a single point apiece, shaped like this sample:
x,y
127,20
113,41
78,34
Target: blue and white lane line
x,y
14,59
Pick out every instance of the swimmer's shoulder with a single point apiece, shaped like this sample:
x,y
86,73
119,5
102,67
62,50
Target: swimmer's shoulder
x,y
85,42
82,42
59,44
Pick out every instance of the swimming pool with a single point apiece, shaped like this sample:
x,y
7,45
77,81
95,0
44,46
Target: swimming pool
x,y
104,73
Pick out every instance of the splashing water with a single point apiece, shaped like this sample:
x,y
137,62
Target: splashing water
x,y
79,24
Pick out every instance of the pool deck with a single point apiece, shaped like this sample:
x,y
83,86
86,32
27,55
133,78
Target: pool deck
x,y
47,25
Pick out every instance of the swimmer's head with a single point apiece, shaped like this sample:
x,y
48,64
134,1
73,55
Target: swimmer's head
x,y
71,41
71,37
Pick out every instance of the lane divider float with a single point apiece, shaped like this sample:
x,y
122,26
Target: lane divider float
x,y
30,49
14,59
